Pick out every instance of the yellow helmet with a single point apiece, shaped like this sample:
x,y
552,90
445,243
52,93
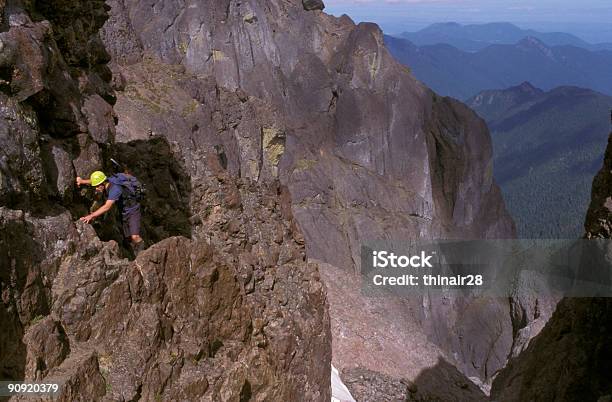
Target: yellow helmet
x,y
97,178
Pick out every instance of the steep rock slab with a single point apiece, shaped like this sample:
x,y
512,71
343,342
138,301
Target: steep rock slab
x,y
325,75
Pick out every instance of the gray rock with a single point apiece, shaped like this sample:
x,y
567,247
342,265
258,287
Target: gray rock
x,y
47,346
100,119
119,36
65,171
22,178
89,158
310,5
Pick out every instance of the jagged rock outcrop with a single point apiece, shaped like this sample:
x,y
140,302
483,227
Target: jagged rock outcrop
x,y
571,358
234,312
316,101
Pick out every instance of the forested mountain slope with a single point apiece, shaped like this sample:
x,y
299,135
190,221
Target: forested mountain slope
x,y
547,147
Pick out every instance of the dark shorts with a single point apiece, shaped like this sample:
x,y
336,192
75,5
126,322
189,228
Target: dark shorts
x,y
131,223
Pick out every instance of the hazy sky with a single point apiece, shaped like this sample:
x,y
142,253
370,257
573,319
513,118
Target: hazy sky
x,y
591,19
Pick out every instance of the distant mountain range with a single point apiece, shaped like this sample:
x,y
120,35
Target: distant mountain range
x,y
547,147
460,74
472,38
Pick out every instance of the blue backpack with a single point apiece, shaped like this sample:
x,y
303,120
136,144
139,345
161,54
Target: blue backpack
x,y
132,190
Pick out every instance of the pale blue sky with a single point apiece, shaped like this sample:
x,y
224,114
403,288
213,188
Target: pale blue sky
x,y
591,19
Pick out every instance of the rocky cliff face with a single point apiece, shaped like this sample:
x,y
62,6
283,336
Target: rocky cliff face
x,y
280,90
571,358
56,99
49,77
337,99
265,131
232,313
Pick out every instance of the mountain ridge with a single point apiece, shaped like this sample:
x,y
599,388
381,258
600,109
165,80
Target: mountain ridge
x,y
452,72
475,37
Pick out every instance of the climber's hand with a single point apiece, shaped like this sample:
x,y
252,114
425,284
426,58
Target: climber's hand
x,y
79,181
87,219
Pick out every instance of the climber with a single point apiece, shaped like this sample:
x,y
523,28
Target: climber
x,y
126,191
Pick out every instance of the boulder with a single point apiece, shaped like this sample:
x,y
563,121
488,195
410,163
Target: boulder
x,y
47,346
310,5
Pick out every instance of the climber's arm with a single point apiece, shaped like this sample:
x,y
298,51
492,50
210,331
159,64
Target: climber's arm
x,y
102,210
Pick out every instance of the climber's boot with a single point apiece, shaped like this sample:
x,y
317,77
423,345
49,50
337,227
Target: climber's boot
x,y
138,247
